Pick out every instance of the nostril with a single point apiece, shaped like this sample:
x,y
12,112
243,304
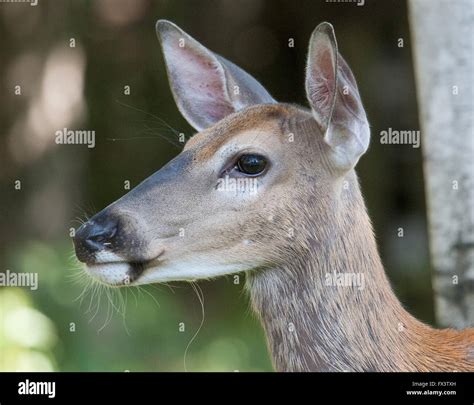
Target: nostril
x,y
99,233
103,235
96,235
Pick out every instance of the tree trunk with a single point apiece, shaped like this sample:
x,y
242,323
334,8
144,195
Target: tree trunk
x,y
442,33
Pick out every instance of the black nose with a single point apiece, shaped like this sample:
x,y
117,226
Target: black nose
x,y
95,235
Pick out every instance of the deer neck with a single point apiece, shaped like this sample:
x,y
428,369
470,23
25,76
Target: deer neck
x,y
331,307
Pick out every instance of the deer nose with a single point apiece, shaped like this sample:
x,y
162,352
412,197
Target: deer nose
x,y
95,235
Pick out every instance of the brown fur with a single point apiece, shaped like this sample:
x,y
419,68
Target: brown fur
x,y
314,327
311,326
260,117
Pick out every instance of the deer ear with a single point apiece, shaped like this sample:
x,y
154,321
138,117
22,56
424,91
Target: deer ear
x,y
205,86
334,98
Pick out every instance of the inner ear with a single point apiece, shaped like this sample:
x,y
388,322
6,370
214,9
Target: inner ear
x,y
199,85
335,101
205,86
321,74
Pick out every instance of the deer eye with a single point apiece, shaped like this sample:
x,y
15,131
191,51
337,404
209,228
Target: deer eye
x,y
251,164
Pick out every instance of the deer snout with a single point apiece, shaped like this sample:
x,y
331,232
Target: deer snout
x,y
96,235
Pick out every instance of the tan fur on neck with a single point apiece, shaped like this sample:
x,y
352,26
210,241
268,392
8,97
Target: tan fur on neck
x,y
314,327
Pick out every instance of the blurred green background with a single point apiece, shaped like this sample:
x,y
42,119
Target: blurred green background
x,y
83,87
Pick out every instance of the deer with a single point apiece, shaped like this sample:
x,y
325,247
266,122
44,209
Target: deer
x,y
303,222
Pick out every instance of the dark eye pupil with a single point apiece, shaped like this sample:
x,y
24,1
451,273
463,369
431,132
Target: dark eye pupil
x,y
252,164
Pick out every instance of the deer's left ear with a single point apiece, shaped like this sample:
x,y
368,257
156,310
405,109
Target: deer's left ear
x,y
206,87
334,98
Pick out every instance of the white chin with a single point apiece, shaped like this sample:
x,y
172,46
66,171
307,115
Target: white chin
x,y
186,271
122,274
113,274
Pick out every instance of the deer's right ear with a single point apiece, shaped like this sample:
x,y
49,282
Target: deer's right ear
x,y
205,86
332,92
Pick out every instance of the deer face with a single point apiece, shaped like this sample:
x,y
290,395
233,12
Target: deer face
x,y
226,203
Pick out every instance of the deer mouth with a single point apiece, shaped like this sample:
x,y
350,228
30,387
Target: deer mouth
x,y
136,270
120,273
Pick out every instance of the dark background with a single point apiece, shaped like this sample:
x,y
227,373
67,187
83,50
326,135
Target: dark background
x,y
82,87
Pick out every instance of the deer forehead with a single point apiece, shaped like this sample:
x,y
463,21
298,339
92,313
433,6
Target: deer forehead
x,y
257,126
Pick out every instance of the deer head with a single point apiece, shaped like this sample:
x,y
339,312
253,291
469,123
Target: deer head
x,y
226,203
